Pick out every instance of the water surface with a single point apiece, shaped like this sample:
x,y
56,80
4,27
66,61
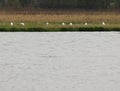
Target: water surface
x,y
60,61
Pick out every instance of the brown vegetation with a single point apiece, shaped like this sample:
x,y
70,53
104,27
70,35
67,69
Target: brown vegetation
x,y
60,16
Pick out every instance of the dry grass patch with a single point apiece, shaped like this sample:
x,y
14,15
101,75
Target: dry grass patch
x,y
59,16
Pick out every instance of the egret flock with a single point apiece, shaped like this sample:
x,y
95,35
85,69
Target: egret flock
x,y
63,24
23,24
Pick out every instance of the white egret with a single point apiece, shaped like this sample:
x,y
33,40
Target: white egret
x,y
23,24
63,23
71,24
11,24
86,24
47,23
103,23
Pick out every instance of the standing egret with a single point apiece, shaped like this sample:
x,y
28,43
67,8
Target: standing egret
x,y
71,24
63,23
47,23
23,24
86,24
11,24
103,23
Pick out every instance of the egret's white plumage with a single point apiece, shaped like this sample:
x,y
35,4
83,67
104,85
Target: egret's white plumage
x,y
47,23
70,24
103,23
86,24
63,24
11,24
23,24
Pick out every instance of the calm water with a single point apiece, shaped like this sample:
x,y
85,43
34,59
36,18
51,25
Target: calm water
x,y
60,61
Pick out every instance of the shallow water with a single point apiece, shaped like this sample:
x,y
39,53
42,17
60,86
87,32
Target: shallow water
x,y
60,61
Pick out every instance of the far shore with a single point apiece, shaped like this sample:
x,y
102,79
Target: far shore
x,y
37,20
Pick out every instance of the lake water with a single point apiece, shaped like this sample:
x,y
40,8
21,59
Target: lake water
x,y
60,61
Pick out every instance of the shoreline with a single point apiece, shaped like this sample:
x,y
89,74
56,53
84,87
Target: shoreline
x,y
62,29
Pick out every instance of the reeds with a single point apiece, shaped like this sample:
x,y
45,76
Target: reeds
x,y
59,16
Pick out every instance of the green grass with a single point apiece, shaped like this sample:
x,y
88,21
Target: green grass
x,y
56,27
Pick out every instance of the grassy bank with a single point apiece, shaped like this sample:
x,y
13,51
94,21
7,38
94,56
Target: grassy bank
x,y
36,21
54,27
